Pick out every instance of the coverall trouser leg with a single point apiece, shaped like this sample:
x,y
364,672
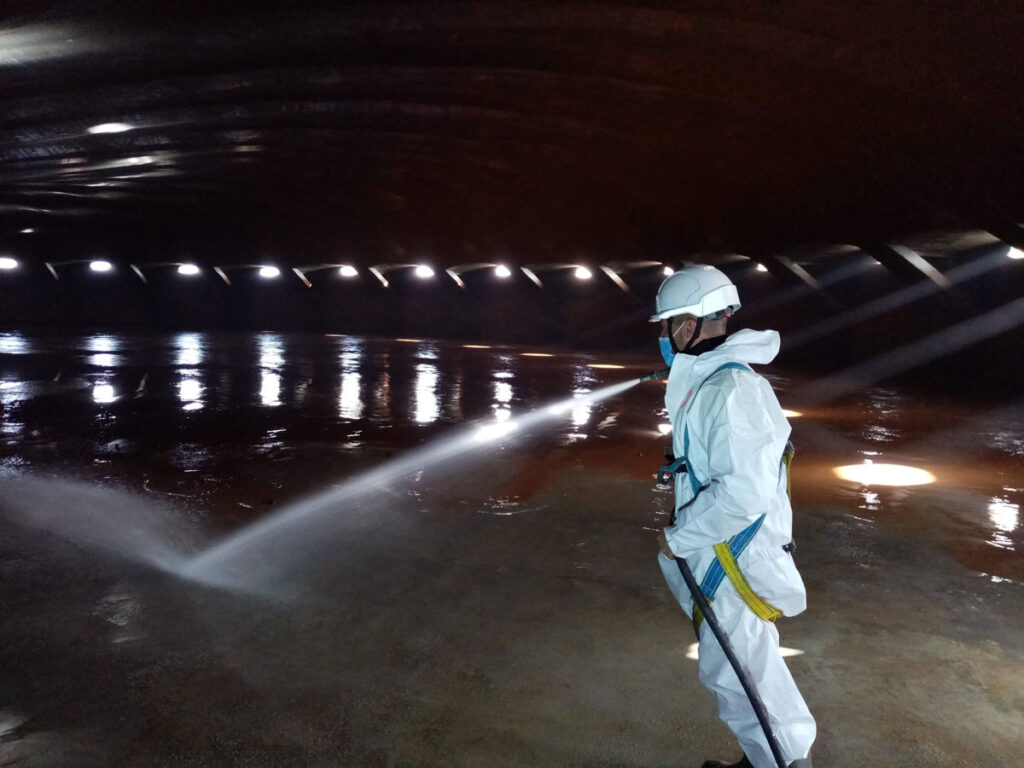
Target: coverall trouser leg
x,y
756,643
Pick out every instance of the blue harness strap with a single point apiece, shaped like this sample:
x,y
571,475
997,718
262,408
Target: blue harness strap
x,y
738,543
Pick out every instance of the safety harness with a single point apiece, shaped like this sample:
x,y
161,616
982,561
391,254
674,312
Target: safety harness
x,y
726,553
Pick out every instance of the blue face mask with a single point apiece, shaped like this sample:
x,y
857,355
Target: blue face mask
x,y
665,344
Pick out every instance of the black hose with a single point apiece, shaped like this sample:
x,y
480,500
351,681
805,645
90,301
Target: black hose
x,y
748,686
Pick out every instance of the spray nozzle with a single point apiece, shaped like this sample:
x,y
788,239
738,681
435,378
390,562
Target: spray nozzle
x,y
656,375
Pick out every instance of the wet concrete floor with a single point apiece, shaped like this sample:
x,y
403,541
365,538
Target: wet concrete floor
x,y
500,609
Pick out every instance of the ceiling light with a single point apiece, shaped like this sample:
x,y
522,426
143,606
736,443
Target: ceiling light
x,y
1015,253
27,231
762,268
188,269
110,128
502,271
6,262
582,273
668,271
348,271
424,271
100,266
269,272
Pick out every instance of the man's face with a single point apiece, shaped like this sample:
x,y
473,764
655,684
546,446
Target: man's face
x,y
681,326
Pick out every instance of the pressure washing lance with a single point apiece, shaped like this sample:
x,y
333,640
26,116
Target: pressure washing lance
x,y
665,475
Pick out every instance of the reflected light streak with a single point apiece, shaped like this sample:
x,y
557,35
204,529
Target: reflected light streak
x,y
190,392
102,344
11,343
791,414
103,360
1006,518
427,403
606,366
109,128
103,393
190,350
870,473
502,392
475,346
270,388
537,354
350,403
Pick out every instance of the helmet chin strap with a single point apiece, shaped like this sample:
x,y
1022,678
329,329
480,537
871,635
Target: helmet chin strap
x,y
693,336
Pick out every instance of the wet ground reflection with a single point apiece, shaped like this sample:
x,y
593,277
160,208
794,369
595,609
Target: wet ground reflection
x,y
127,406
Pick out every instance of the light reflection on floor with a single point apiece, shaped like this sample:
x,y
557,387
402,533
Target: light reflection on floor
x,y
362,393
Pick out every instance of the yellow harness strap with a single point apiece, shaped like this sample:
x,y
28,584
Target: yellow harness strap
x,y
761,607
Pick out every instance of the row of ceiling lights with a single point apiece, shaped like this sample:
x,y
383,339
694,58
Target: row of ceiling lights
x,y
422,271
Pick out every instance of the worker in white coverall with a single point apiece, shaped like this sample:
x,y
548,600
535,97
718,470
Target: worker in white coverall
x,y
728,425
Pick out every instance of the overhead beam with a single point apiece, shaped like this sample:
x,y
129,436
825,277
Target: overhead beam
x,y
907,263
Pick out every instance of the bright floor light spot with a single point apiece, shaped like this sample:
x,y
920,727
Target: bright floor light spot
x,y
870,473
537,354
475,346
692,652
608,366
103,393
665,428
27,231
762,268
188,269
1015,253
667,271
502,271
6,262
424,271
100,266
110,128
791,414
269,271
582,273
348,271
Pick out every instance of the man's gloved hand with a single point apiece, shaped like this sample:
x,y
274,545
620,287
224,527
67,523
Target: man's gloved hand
x,y
663,544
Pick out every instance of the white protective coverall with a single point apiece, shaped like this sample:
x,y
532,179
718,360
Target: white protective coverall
x,y
737,435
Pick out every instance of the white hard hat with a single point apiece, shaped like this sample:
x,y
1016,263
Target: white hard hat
x,y
701,291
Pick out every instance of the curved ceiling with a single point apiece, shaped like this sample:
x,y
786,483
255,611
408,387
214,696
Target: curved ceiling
x,y
531,131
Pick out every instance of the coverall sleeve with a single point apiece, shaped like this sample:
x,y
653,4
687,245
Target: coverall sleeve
x,y
742,471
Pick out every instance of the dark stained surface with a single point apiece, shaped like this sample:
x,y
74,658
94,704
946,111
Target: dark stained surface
x,y
529,132
503,609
